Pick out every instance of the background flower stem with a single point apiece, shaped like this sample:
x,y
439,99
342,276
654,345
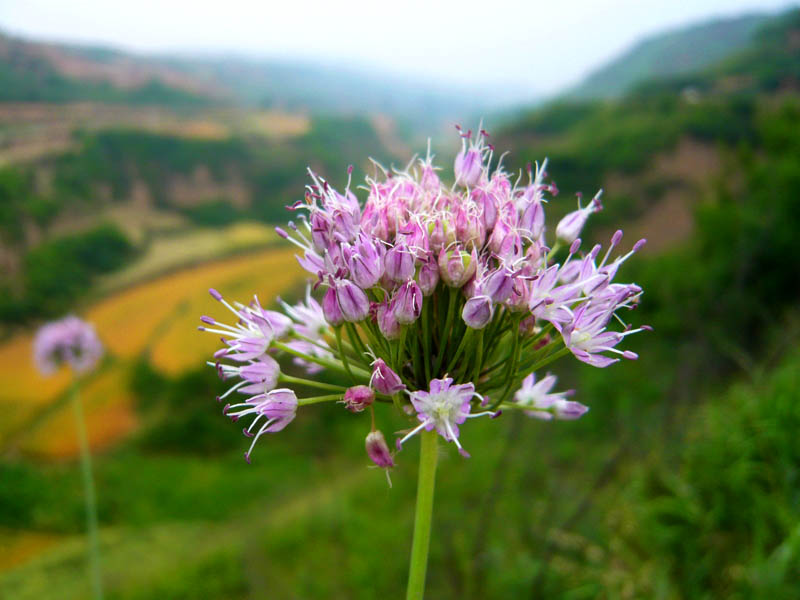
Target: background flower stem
x,y
88,493
428,457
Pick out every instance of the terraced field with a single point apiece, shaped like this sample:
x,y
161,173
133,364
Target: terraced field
x,y
158,317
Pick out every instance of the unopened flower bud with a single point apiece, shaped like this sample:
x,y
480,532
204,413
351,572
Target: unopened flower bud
x,y
477,312
384,380
468,167
429,180
407,303
352,300
358,397
387,322
532,220
399,263
366,263
330,308
569,228
378,450
456,267
498,285
569,410
428,277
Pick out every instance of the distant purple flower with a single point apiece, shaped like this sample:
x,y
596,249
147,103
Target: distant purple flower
x,y
69,341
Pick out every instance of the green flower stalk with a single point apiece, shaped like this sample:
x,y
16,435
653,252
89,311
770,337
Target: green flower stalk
x,y
74,343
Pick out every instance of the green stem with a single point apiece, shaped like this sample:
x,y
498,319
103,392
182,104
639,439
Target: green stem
x,y
429,454
467,337
311,383
89,493
445,337
338,332
426,337
325,362
318,399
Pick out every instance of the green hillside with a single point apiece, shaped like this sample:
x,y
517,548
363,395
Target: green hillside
x,y
240,179
26,75
676,52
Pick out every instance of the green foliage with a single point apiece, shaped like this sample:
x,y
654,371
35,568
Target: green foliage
x,y
214,213
59,272
16,190
723,523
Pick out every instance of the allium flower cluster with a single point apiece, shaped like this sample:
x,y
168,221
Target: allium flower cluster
x,y
440,299
69,341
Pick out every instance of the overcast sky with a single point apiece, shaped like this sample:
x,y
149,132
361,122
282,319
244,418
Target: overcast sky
x,y
528,44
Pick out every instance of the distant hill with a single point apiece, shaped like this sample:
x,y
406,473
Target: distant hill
x,y
321,87
660,146
43,72
672,53
32,71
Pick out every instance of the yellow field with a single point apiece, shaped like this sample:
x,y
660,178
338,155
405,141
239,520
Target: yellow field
x,y
109,412
168,252
159,317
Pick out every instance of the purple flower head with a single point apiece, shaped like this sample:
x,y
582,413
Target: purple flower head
x,y
278,322
272,411
407,303
482,232
378,450
69,341
384,380
546,405
570,227
444,407
358,397
441,233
